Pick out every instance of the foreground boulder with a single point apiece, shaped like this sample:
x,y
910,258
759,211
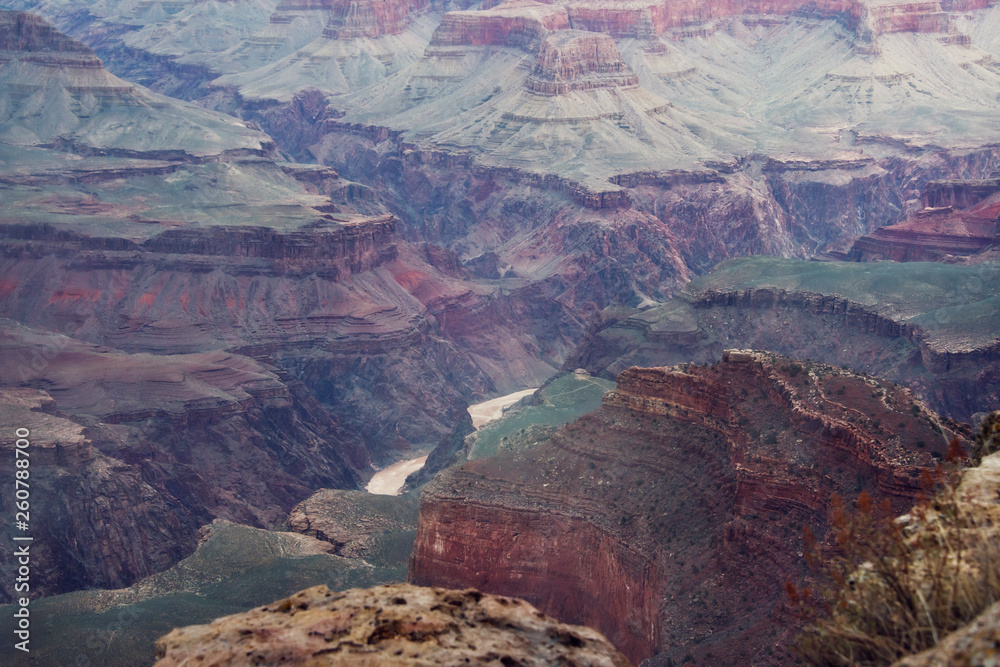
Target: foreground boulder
x,y
397,624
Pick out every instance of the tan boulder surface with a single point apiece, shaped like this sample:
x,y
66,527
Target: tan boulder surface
x,y
397,624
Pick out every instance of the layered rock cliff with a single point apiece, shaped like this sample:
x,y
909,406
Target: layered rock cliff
x,y
159,445
515,23
667,518
99,519
928,327
350,19
960,219
578,60
55,91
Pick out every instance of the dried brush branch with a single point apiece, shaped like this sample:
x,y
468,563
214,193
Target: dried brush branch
x,y
898,586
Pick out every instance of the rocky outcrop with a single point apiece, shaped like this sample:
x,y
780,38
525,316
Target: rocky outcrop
x,y
903,322
351,19
929,236
944,563
960,219
99,519
909,17
975,644
171,442
234,567
678,491
353,521
516,23
646,19
576,60
390,625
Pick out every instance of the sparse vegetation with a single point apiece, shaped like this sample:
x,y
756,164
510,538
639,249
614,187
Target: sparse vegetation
x,y
897,586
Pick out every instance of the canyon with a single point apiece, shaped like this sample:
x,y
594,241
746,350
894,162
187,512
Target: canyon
x,y
692,513
957,224
926,326
252,252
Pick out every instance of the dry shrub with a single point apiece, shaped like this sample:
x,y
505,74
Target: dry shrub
x,y
897,586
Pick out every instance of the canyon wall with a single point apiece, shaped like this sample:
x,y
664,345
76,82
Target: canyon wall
x,y
516,23
667,519
350,19
136,451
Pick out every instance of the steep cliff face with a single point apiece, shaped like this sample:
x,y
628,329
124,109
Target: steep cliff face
x,y
515,23
928,327
20,31
332,308
959,220
667,518
164,444
646,19
351,19
99,520
54,90
577,60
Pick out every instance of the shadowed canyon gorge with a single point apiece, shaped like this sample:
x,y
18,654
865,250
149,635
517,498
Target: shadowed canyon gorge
x,y
254,251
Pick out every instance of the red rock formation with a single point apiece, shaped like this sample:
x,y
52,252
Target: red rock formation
x,y
645,19
99,520
516,23
941,230
909,17
351,19
577,60
667,519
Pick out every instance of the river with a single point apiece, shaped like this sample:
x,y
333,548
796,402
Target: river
x,y
389,481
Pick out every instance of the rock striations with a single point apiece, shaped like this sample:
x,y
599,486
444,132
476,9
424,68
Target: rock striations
x,y
960,219
515,23
930,327
667,519
370,18
393,625
577,60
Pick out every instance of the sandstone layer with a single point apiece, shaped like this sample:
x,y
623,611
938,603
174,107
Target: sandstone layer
x,y
516,23
961,219
370,18
684,492
390,625
578,60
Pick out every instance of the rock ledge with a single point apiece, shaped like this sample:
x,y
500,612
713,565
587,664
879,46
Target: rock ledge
x,y
397,624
